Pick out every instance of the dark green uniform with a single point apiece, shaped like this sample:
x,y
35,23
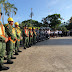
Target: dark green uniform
x,y
17,44
9,44
25,38
34,37
30,38
2,44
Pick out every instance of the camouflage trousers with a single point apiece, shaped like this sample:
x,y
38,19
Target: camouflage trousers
x,y
17,44
9,49
26,41
2,51
34,39
30,40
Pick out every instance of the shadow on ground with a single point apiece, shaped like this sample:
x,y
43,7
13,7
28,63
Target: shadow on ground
x,y
55,42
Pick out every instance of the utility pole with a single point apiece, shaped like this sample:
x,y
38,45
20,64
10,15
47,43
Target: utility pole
x,y
31,15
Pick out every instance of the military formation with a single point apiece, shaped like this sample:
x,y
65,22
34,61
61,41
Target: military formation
x,y
11,38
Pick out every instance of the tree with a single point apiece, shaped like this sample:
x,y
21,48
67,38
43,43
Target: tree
x,y
69,25
70,21
53,20
10,8
3,2
32,23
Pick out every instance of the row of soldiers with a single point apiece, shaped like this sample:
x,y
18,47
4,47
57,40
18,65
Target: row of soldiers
x,y
10,38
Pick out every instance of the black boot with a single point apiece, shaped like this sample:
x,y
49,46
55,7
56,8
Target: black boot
x,y
3,67
13,57
9,62
19,51
24,47
16,53
5,58
29,45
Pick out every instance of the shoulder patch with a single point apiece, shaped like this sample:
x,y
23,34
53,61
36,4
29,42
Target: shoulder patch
x,y
7,27
6,24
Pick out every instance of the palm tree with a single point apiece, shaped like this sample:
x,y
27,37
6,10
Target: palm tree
x,y
3,3
14,10
10,8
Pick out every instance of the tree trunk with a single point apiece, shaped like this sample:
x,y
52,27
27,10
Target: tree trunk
x,y
3,14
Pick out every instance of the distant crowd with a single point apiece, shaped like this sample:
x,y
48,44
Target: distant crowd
x,y
59,33
54,33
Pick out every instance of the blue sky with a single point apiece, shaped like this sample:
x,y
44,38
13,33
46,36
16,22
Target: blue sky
x,y
41,9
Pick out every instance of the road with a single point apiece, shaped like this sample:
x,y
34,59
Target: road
x,y
54,55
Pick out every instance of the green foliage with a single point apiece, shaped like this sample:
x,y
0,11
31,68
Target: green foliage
x,y
62,28
10,9
69,26
70,21
53,20
31,23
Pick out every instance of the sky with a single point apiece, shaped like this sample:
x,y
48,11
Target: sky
x,y
41,9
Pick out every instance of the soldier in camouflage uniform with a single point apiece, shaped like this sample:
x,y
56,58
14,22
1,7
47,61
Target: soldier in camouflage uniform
x,y
34,36
11,40
37,38
18,33
30,36
3,40
25,37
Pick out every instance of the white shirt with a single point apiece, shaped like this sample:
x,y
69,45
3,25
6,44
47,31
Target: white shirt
x,y
60,32
56,32
48,31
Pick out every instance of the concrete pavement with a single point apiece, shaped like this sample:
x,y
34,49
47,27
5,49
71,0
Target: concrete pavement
x,y
54,55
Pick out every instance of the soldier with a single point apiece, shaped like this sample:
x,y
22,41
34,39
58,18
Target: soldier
x,y
40,35
37,31
3,40
34,36
18,33
25,37
14,33
30,36
11,40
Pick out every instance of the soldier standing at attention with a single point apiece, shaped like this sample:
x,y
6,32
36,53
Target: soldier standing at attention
x,y
3,40
34,36
25,37
30,36
14,33
18,33
37,31
11,39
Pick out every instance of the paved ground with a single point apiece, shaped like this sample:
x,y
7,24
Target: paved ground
x,y
54,55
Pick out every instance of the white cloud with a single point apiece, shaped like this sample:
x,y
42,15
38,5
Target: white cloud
x,y
68,7
53,2
65,7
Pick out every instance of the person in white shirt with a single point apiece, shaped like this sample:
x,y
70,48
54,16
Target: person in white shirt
x,y
56,33
48,31
60,33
